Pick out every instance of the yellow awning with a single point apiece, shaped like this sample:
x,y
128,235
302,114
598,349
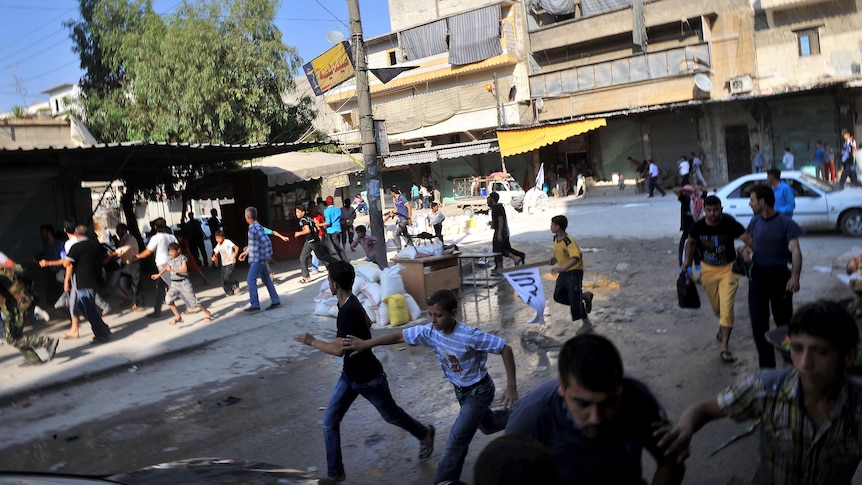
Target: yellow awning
x,y
513,142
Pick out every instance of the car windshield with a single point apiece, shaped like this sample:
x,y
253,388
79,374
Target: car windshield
x,y
514,185
824,186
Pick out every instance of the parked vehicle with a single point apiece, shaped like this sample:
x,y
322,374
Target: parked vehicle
x,y
819,205
471,194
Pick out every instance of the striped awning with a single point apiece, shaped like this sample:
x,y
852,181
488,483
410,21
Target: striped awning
x,y
513,142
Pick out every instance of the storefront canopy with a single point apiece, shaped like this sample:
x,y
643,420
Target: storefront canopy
x,y
515,141
288,168
439,152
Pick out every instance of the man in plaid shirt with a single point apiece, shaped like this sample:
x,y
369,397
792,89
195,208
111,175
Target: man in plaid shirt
x,y
810,414
258,252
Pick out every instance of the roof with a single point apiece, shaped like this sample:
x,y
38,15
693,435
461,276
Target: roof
x,y
288,168
438,152
136,158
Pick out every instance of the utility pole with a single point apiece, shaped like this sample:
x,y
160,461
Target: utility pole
x,y
366,133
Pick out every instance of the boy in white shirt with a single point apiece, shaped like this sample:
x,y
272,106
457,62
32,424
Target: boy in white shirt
x,y
228,252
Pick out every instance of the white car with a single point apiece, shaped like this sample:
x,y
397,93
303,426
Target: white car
x,y
819,205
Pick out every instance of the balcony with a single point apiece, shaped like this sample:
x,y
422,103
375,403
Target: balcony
x,y
669,63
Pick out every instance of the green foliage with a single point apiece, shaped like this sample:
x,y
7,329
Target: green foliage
x,y
211,72
18,111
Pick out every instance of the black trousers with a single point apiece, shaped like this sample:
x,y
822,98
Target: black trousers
x,y
505,249
161,291
130,282
768,288
653,185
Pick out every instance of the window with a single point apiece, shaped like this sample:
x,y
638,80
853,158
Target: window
x,y
393,59
808,41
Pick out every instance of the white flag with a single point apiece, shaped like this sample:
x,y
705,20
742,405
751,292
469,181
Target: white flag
x,y
528,284
540,177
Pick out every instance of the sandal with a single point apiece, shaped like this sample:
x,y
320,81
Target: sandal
x,y
304,280
426,446
727,357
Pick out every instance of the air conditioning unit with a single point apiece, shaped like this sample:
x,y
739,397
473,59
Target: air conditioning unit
x,y
741,84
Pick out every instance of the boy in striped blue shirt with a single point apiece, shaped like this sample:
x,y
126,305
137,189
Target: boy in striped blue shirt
x,y
462,352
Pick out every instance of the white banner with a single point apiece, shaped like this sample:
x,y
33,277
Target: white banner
x,y
540,177
528,283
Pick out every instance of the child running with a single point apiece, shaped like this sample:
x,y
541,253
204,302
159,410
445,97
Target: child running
x,y
180,287
569,262
367,242
228,252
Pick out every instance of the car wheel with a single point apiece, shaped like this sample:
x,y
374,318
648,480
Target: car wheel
x,y
851,223
468,211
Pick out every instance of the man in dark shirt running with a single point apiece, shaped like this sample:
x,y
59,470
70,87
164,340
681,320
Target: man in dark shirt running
x,y
362,376
85,260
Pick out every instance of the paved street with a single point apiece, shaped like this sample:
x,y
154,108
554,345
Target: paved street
x,y
152,393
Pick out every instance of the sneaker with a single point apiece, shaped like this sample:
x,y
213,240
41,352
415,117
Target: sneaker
x,y
29,363
426,446
154,315
41,314
52,348
100,340
251,309
273,306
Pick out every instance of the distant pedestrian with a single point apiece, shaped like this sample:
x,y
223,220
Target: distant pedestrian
x,y
788,159
403,214
436,218
848,160
181,286
697,168
767,239
226,252
568,261
653,179
415,196
130,274
258,252
785,201
309,233
367,242
684,167
437,196
462,352
194,234
819,160
829,163
714,236
348,217
362,375
158,247
500,241
757,160
332,216
214,224
425,194
16,304
84,260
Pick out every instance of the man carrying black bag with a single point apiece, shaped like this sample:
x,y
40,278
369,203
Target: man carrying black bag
x,y
714,235
569,266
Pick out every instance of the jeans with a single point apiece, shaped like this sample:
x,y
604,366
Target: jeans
x,y
401,231
376,391
258,269
333,244
229,283
768,287
161,290
307,249
87,305
475,414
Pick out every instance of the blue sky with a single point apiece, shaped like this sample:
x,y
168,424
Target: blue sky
x,y
36,51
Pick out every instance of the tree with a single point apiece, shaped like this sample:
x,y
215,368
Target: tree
x,y
212,72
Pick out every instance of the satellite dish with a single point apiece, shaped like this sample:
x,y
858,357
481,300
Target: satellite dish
x,y
703,82
540,104
334,36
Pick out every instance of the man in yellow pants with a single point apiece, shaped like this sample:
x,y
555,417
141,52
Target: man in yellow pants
x,y
714,234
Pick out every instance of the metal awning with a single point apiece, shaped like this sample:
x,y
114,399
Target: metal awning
x,y
288,168
440,152
521,140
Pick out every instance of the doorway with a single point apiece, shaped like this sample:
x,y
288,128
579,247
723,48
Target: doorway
x,y
738,149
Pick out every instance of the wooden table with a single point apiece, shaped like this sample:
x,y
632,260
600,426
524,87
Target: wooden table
x,y
423,276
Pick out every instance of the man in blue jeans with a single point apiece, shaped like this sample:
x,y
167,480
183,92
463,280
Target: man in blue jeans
x,y
362,376
258,252
85,259
462,352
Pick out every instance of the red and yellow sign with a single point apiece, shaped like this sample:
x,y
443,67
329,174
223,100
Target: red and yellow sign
x,y
330,69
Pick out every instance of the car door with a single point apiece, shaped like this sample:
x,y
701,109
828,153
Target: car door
x,y
737,201
811,208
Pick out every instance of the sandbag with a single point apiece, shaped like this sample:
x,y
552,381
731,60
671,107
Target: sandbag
x,y
322,307
398,312
412,307
408,252
686,291
390,281
383,315
370,311
369,272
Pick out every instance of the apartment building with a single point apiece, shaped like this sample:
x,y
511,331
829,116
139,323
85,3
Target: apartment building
x,y
671,77
468,75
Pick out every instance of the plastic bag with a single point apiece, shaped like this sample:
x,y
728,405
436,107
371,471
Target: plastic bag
x,y
686,291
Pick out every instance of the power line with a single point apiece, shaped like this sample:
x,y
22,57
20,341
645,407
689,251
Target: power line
x,y
333,15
